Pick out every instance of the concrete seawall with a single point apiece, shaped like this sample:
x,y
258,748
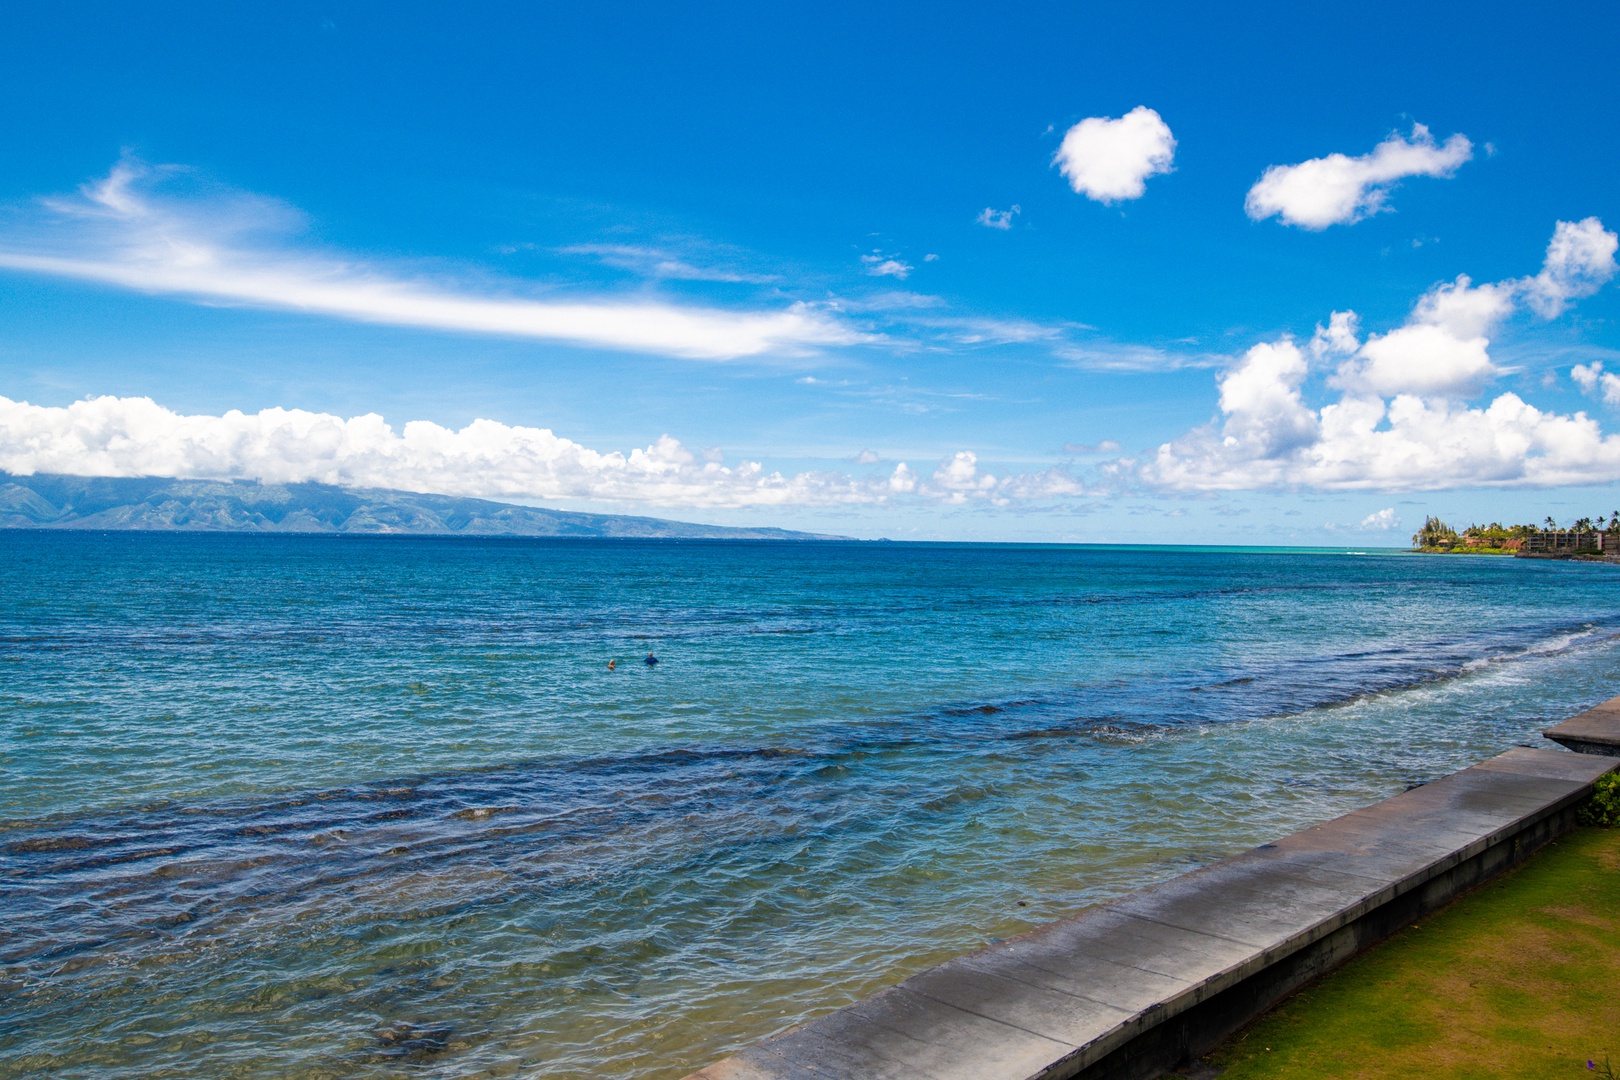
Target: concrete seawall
x,y
1595,731
1143,984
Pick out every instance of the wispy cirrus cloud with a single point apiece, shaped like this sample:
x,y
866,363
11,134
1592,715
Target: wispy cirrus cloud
x,y
123,231
1119,356
661,262
112,436
1105,446
972,330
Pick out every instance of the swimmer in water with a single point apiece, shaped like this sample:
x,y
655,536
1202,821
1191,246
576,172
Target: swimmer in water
x,y
612,664
651,660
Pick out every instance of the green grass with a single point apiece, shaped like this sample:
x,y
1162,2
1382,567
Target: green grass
x,y
1520,978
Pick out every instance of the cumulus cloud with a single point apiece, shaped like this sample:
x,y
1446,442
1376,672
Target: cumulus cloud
x,y
1266,414
888,268
1409,444
121,231
1341,190
111,436
998,219
881,265
1593,380
1442,349
1110,160
1381,520
958,479
1402,421
1337,338
1580,258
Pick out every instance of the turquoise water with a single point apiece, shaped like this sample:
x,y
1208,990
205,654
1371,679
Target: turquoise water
x,y
307,807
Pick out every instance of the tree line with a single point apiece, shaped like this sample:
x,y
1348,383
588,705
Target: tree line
x,y
1437,534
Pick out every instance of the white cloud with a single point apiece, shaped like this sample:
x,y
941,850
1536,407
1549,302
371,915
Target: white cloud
x,y
1400,424
895,302
958,479
1098,355
1110,160
1381,520
1593,380
119,232
1444,347
1106,446
972,330
110,436
1341,190
1337,338
1407,444
1266,416
1463,309
881,265
998,219
902,481
1424,360
662,263
1580,258
960,475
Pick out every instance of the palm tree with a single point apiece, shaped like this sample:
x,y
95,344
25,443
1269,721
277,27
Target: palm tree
x,y
1435,533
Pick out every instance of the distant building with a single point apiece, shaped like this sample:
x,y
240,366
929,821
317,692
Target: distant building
x,y
1553,540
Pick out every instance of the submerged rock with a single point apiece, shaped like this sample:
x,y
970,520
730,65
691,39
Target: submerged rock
x,y
405,1039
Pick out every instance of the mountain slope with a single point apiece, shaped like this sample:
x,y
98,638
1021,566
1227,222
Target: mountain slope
x,y
155,504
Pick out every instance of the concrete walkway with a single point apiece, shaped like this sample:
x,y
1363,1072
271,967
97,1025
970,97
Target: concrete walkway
x,y
1151,980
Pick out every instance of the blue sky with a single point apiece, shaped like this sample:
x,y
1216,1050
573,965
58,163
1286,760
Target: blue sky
x,y
741,263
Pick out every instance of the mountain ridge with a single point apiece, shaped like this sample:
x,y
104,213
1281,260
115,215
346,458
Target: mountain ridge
x,y
165,504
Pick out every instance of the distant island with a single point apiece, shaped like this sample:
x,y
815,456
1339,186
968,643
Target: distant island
x,y
1584,537
154,504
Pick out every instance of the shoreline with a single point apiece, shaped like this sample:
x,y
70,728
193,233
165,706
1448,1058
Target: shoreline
x,y
1152,981
1553,556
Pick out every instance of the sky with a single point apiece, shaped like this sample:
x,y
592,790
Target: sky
x,y
1037,272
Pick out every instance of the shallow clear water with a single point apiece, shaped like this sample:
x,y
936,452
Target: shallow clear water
x,y
346,807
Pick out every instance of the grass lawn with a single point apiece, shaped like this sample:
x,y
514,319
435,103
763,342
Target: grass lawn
x,y
1520,978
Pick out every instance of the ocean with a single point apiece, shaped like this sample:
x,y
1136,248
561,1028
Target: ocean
x,y
333,807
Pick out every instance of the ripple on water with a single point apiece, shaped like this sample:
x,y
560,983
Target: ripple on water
x,y
852,764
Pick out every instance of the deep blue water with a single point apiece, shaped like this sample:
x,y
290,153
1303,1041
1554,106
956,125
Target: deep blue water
x,y
287,806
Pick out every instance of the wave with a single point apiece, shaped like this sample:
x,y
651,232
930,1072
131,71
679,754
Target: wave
x,y
1279,688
